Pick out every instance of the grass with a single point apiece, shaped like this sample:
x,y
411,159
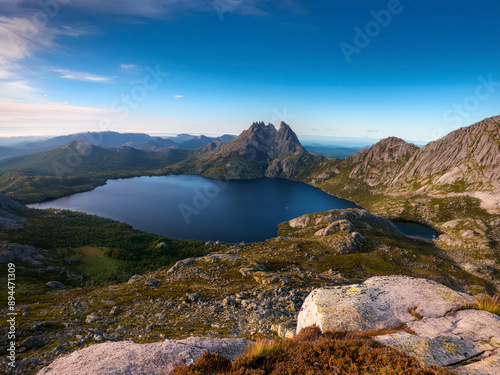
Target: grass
x,y
488,302
313,352
413,311
261,349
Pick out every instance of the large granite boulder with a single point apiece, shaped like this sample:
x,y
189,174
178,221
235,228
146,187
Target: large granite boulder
x,y
380,302
125,357
441,329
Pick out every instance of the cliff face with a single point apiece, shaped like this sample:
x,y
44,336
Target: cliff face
x,y
465,162
470,154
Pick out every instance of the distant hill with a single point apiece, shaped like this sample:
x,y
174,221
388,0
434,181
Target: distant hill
x,y
78,166
108,138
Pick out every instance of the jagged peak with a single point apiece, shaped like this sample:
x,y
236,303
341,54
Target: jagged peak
x,y
285,132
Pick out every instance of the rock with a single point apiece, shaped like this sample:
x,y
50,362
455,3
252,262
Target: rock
x,y
134,278
444,333
162,245
152,283
440,351
55,285
72,261
42,326
381,302
34,342
451,339
193,297
92,318
115,311
180,265
11,252
125,357
489,366
337,226
300,222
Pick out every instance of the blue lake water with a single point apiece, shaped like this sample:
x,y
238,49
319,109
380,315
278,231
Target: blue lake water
x,y
195,207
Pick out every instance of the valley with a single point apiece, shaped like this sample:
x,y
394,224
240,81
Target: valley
x,y
119,283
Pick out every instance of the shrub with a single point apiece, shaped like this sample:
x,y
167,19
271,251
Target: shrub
x,y
313,352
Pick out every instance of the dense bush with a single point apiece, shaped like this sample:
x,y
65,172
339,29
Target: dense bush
x,y
312,352
55,229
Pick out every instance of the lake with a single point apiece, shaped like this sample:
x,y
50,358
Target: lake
x,y
196,207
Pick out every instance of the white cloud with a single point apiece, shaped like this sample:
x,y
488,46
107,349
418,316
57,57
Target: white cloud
x,y
12,111
82,76
178,96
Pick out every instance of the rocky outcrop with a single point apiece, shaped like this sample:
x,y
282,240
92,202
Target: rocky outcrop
x,y
124,358
8,213
25,254
440,330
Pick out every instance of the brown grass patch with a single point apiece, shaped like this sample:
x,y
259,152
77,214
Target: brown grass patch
x,y
313,352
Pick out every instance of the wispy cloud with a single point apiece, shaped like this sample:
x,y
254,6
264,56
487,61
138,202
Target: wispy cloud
x,y
129,66
163,8
14,111
178,96
82,76
21,38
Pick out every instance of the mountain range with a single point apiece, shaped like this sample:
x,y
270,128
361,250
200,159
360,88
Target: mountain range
x,y
184,288
139,141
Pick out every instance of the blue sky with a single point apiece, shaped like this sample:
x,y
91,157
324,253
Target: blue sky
x,y
343,68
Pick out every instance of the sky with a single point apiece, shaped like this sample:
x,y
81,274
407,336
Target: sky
x,y
416,69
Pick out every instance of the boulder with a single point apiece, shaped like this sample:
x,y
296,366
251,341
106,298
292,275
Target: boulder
x,y
134,278
125,357
381,302
300,222
152,283
442,329
34,342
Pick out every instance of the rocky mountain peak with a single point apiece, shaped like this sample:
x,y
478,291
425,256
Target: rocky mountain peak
x,y
387,150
